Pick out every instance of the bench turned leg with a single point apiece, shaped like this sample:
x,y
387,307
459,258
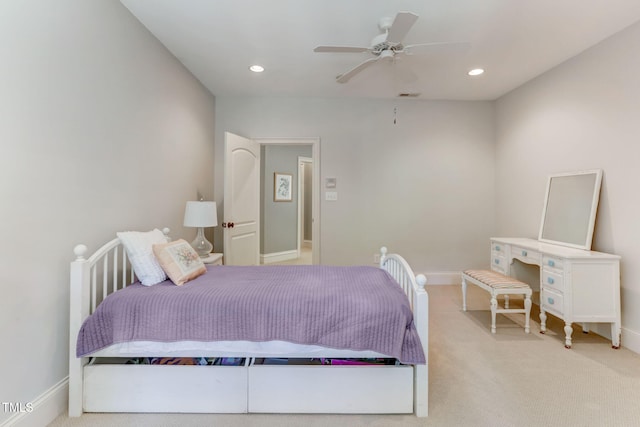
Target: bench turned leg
x,y
527,312
464,295
494,307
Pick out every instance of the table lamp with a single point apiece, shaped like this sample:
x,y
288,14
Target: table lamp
x,y
201,214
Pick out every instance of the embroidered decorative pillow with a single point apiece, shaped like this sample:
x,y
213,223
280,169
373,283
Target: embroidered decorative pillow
x,y
139,248
179,260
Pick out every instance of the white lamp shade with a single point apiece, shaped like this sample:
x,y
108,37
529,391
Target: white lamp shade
x,y
200,214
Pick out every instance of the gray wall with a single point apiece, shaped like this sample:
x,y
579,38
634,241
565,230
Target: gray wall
x,y
102,130
424,187
583,114
279,220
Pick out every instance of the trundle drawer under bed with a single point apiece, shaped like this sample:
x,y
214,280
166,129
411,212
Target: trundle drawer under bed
x,y
120,387
331,389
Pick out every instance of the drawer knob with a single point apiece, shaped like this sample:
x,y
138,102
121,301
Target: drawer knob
x,y
550,280
524,253
550,300
497,248
551,263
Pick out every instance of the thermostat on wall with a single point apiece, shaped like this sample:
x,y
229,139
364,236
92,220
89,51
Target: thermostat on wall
x,y
330,183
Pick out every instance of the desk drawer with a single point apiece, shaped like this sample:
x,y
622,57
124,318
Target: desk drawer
x,y
525,255
552,279
553,262
497,247
497,269
498,262
552,301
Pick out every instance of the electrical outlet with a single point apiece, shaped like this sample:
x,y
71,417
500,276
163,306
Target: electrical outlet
x,y
376,258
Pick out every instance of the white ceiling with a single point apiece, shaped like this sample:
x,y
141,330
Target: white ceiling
x,y
513,40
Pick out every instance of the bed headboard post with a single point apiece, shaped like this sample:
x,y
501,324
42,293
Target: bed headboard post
x,y
78,311
383,255
80,250
421,318
421,372
414,288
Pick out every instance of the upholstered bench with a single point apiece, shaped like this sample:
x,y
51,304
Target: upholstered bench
x,y
498,284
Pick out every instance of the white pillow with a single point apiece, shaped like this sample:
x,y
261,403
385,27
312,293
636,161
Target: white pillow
x,y
139,246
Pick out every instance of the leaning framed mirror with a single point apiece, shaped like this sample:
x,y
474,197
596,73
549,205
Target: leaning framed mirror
x,y
570,207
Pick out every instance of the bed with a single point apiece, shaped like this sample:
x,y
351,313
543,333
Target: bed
x,y
273,363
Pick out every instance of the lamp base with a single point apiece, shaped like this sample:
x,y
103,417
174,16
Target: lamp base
x,y
201,245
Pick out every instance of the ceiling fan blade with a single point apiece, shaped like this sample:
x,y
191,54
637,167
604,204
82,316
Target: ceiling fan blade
x,y
341,49
343,78
401,26
426,48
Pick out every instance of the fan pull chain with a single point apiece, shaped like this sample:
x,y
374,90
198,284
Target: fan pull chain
x,y
395,112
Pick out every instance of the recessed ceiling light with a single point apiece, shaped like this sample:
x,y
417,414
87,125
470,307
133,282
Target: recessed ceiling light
x,y
257,68
475,72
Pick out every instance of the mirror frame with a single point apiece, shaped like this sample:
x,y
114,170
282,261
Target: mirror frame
x,y
595,197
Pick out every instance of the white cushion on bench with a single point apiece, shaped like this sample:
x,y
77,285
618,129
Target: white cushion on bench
x,y
495,280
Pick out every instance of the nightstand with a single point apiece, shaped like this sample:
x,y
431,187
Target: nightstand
x,y
213,258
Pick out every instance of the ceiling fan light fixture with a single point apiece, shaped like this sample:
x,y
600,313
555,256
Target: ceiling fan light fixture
x,y
475,72
256,68
387,55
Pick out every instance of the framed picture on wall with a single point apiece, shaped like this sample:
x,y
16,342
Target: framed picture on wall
x,y
282,183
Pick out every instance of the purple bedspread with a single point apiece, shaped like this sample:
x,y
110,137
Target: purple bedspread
x,y
356,308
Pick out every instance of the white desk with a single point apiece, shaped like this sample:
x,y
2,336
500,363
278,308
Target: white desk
x,y
575,285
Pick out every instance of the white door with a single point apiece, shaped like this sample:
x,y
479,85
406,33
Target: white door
x,y
241,223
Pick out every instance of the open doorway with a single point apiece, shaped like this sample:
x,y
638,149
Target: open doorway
x,y
287,224
244,195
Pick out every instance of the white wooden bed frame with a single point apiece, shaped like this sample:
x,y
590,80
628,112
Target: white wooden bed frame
x,y
97,385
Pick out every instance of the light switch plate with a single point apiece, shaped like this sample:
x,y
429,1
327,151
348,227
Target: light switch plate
x,y
331,195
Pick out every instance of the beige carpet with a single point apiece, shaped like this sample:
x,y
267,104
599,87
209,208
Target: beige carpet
x,y
305,258
478,379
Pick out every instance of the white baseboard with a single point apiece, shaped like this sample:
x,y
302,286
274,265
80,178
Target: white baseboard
x,y
279,256
306,243
631,340
443,277
46,407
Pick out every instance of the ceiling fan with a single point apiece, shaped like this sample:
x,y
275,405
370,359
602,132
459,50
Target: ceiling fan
x,y
387,45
